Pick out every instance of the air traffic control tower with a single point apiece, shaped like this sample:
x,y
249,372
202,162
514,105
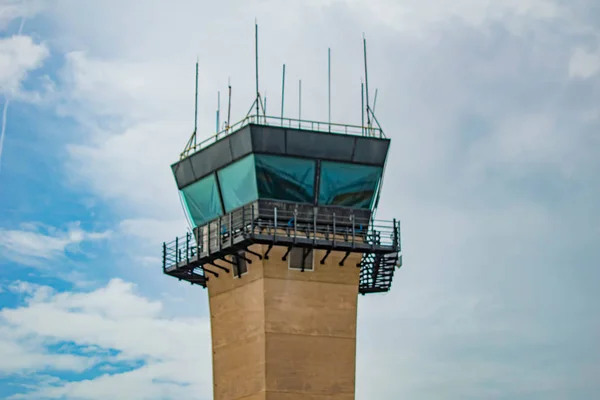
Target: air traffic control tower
x,y
284,238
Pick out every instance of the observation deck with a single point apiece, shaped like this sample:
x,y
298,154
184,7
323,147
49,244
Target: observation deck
x,y
283,182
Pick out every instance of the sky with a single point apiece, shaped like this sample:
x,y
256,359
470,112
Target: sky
x,y
493,111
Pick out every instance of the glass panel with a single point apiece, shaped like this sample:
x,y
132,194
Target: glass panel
x,y
285,178
348,185
202,200
238,183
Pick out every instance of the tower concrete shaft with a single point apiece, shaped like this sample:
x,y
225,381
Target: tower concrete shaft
x,y
285,334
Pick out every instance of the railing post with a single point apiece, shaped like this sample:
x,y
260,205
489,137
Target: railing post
x,y
208,250
244,221
187,247
220,234
295,222
353,229
199,238
275,224
230,230
334,230
176,250
314,225
252,222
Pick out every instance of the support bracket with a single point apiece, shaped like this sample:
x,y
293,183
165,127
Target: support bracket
x,y
325,256
220,267
209,271
268,251
305,253
284,258
344,259
260,257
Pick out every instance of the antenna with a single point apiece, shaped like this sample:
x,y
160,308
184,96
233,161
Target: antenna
x,y
196,105
229,104
366,80
265,104
329,84
256,59
282,92
374,102
218,110
362,106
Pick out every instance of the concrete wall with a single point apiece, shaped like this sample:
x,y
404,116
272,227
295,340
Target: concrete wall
x,y
282,334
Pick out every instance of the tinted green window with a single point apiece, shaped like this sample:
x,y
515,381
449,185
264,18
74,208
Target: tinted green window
x,y
238,183
284,178
348,185
202,200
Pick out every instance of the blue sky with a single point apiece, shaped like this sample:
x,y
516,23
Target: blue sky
x,y
492,107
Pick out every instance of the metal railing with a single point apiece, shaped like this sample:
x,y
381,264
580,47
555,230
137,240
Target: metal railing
x,y
292,227
335,128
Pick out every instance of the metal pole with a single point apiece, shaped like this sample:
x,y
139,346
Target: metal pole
x,y
196,106
275,223
187,247
282,92
375,101
362,107
256,59
329,84
229,106
366,80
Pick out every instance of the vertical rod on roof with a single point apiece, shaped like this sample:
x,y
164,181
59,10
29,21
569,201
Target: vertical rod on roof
x,y
256,59
362,107
366,80
329,84
196,105
282,92
229,105
374,102
299,101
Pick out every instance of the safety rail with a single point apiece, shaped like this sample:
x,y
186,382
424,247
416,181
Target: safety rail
x,y
318,126
283,227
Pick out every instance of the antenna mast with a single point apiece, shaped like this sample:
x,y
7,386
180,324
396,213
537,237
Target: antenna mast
x,y
329,84
229,105
366,81
256,60
196,105
282,92
374,103
362,106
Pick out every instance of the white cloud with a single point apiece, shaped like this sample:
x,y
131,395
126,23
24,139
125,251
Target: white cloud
x,y
33,243
112,318
584,64
13,9
18,55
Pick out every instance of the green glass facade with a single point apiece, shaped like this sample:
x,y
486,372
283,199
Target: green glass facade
x,y
280,178
238,183
286,178
202,200
348,185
